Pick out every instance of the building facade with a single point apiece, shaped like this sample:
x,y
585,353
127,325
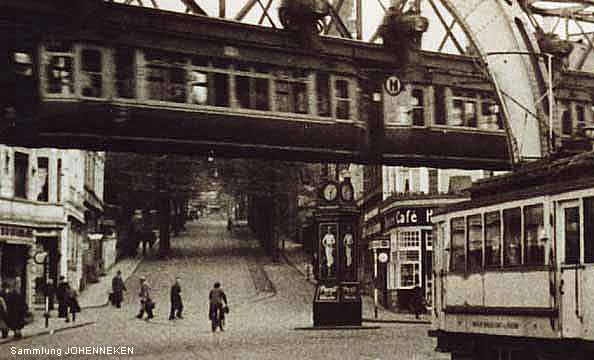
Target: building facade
x,y
42,208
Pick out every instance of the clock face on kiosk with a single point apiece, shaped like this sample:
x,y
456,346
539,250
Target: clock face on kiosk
x,y
330,191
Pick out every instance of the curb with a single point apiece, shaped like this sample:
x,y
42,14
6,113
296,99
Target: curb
x,y
48,332
350,327
382,321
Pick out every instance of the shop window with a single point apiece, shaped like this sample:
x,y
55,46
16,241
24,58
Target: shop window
x,y
21,170
125,73
492,239
475,242
418,112
457,249
512,236
572,235
439,112
323,94
566,121
91,77
42,178
589,230
409,239
534,244
409,275
343,102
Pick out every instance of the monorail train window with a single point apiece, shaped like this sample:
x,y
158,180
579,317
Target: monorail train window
x,y
464,113
475,242
492,239
220,90
262,91
252,93
199,87
589,230
91,76
323,93
417,102
439,113
491,118
125,74
60,78
566,121
512,237
343,101
457,248
534,244
572,235
291,97
166,83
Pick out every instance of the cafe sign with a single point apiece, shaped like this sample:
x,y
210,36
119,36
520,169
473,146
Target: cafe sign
x,y
420,216
9,232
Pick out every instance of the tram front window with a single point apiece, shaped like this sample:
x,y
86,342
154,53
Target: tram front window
x,y
572,235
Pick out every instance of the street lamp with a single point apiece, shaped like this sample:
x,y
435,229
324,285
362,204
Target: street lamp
x,y
41,258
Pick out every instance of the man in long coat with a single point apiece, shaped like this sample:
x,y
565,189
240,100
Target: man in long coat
x,y
62,297
176,301
16,309
117,290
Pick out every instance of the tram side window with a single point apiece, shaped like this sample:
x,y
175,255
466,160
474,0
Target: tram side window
x,y
534,245
475,242
572,235
343,101
491,118
220,91
323,94
252,93
291,97
589,230
463,110
91,73
199,87
512,237
418,114
125,74
457,251
166,83
492,239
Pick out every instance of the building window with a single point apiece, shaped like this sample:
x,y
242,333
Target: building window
x,y
409,239
409,274
457,248
343,101
566,121
475,242
418,112
125,73
512,237
580,113
589,230
534,244
21,170
323,94
59,181
59,69
433,181
91,78
572,235
492,239
42,178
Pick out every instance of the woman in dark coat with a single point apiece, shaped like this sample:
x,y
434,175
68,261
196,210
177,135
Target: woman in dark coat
x,y
16,309
72,301
61,295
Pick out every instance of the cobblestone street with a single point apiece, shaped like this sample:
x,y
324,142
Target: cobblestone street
x,y
267,301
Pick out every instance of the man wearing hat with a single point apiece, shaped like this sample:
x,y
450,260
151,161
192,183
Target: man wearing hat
x,y
146,302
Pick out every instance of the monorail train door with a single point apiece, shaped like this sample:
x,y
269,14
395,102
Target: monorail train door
x,y
570,252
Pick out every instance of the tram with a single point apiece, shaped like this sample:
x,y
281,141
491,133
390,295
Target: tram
x,y
514,266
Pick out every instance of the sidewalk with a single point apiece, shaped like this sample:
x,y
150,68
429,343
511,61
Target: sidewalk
x,y
94,296
298,259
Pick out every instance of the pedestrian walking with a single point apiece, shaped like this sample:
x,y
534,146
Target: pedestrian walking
x,y
16,310
62,297
117,290
216,312
73,305
177,305
146,303
3,316
50,292
418,302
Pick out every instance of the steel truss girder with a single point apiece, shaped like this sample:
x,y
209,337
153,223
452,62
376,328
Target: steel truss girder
x,y
497,30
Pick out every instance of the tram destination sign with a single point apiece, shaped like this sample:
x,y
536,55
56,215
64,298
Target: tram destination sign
x,y
420,216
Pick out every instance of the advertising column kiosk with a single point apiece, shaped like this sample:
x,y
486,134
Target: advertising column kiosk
x,y
337,299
